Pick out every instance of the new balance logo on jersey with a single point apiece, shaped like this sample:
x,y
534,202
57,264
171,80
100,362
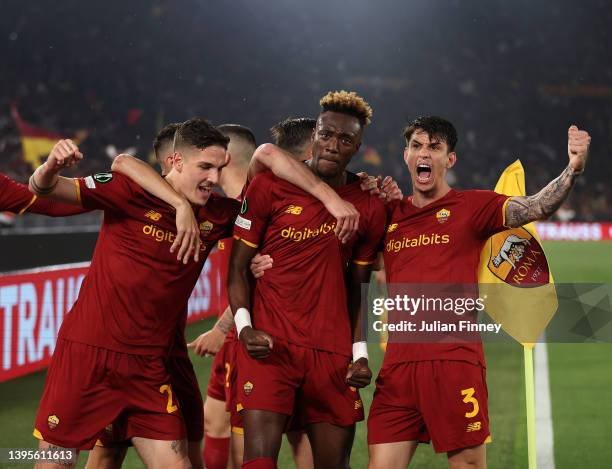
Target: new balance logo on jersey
x,y
474,427
153,215
294,209
392,228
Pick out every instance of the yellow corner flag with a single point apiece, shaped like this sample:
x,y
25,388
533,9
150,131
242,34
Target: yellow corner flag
x,y
518,289
514,277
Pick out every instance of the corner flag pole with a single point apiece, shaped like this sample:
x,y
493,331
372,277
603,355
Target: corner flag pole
x,y
530,402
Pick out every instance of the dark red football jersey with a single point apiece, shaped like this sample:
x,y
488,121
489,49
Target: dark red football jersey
x,y
302,298
440,244
16,198
135,294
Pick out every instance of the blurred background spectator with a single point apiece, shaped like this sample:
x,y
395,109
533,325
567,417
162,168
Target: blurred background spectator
x,y
512,77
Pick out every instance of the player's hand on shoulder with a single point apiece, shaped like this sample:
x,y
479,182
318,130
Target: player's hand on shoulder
x,y
208,343
259,264
347,218
389,190
578,142
64,154
386,189
258,343
359,374
187,239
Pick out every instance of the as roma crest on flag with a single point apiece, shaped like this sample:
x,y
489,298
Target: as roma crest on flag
x,y
517,258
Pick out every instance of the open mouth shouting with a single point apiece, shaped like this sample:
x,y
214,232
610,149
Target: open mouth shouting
x,y
423,173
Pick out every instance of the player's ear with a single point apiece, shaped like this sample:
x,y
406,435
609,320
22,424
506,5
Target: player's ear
x,y
452,159
406,155
177,161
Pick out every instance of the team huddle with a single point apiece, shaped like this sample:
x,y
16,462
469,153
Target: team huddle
x,y
300,235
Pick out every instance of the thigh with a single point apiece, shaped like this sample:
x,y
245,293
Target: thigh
x,y
391,455
161,454
263,432
331,445
453,400
106,457
216,418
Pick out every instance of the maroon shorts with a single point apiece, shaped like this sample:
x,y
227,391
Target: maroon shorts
x,y
443,401
308,384
185,385
88,388
218,383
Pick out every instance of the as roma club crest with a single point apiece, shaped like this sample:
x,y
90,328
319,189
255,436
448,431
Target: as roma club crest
x,y
443,215
517,258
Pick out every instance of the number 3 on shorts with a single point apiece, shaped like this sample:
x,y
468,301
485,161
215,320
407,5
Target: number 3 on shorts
x,y
470,399
170,407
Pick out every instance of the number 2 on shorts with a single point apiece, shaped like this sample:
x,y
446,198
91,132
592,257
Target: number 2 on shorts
x,y
470,399
170,407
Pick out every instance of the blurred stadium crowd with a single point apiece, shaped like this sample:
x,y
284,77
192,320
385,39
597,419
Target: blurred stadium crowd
x,y
508,83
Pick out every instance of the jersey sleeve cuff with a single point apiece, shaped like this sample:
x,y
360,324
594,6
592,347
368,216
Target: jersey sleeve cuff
x,y
360,262
504,212
248,243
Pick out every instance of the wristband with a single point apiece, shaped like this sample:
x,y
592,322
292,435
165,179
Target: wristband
x,y
42,190
242,318
360,350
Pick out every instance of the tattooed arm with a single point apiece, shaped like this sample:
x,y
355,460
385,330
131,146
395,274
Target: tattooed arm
x,y
523,210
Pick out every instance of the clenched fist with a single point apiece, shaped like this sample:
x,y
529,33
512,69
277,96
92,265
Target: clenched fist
x,y
63,155
578,142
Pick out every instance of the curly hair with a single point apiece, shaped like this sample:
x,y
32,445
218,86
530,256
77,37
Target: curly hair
x,y
347,102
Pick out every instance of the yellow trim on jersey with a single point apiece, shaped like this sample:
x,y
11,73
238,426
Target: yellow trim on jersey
x,y
248,243
37,434
504,212
363,262
488,440
99,443
32,200
78,191
238,430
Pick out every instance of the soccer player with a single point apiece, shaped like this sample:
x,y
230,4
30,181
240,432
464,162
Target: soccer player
x,y
294,135
437,391
296,361
109,359
221,338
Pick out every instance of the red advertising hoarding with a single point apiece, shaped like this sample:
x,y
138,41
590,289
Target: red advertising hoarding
x,y
33,304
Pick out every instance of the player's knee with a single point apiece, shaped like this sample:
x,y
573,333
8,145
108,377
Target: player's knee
x,y
467,458
216,418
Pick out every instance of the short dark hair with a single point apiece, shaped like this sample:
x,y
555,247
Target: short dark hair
x,y
164,137
239,131
199,133
292,134
436,127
